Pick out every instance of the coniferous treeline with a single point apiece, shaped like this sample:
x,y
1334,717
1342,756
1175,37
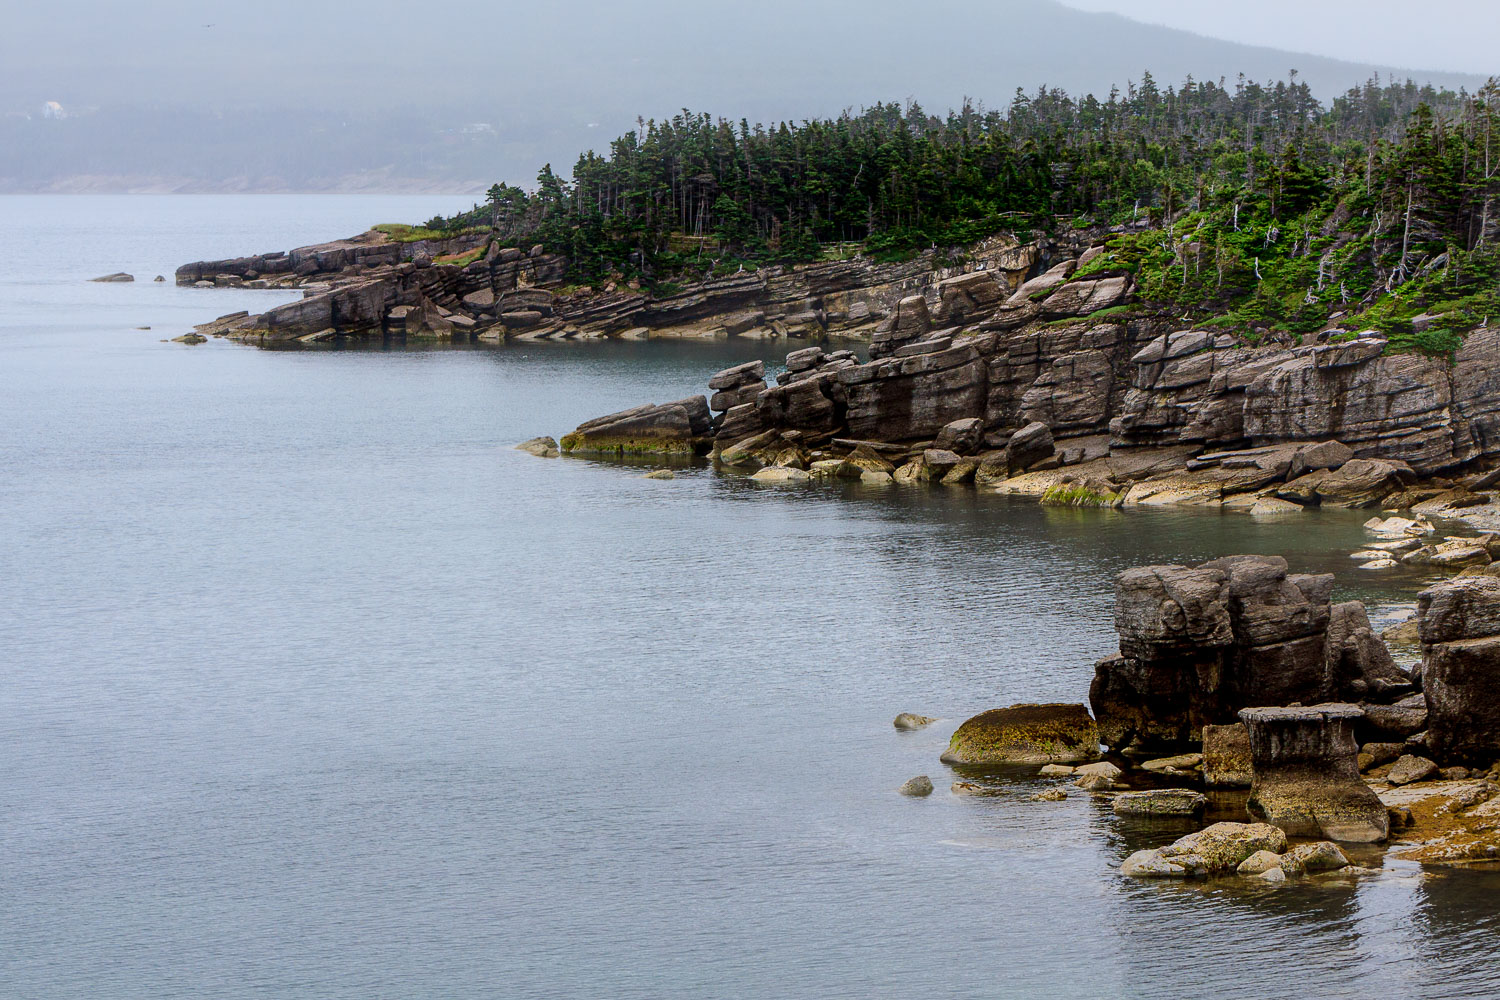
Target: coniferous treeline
x,y
1257,161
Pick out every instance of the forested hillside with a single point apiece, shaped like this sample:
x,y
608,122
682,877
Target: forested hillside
x,y
1252,204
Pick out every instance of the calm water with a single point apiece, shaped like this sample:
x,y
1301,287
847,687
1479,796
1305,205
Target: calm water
x,y
313,687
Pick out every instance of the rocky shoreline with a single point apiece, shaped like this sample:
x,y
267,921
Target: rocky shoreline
x,y
1244,699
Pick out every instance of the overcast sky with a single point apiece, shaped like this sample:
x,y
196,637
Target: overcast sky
x,y
1452,35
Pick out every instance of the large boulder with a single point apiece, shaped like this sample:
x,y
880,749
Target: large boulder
x,y
1306,775
1026,734
668,428
1028,446
1363,482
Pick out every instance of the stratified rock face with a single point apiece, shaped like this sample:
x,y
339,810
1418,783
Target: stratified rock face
x,y
679,428
1226,756
1306,776
912,398
1199,644
911,323
1026,734
1459,622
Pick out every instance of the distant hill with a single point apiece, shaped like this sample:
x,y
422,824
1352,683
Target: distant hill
x,y
173,95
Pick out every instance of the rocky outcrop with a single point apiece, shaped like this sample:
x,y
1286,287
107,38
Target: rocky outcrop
x,y
1305,775
1459,623
1026,734
1197,644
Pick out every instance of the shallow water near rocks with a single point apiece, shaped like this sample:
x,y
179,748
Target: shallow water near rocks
x,y
314,686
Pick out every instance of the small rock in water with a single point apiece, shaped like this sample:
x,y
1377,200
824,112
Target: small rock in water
x,y
1050,795
1273,875
1096,783
969,788
908,721
1379,564
1259,863
117,276
1057,771
919,786
159,277
1161,802
143,328
660,474
542,447
781,474
190,338
1320,857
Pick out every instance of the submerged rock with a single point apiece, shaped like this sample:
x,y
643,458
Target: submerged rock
x,y
908,721
1050,795
660,474
1306,774
1026,734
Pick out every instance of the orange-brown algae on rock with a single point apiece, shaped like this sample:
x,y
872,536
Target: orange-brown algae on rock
x,y
1026,734
1452,822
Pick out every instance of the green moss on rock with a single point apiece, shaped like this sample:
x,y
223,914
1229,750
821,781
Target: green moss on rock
x,y
1026,734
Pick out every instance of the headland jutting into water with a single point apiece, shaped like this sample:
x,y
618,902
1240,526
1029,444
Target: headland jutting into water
x,y
1310,335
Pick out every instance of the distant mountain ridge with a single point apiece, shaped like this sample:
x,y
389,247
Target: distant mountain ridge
x,y
237,98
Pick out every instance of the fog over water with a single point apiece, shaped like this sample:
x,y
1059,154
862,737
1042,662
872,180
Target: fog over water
x,y
167,95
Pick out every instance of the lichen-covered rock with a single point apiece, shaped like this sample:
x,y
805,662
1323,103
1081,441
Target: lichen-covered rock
x,y
1318,857
1226,756
1258,863
908,721
1220,848
1161,802
680,428
1306,774
1026,734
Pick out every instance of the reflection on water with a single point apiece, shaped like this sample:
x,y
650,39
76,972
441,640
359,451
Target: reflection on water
x,y
315,687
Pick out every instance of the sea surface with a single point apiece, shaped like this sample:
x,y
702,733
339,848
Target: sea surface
x,y
313,686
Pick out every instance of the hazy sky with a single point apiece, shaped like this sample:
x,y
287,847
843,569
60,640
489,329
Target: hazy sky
x,y
1452,35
